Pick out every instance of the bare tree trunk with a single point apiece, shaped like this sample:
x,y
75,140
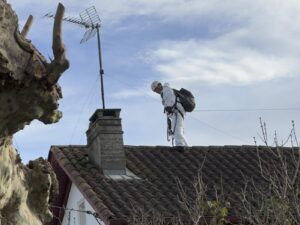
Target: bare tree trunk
x,y
28,91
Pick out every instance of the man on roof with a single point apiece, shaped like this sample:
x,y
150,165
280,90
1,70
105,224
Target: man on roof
x,y
174,110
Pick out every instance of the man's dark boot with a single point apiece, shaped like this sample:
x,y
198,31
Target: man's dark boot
x,y
179,148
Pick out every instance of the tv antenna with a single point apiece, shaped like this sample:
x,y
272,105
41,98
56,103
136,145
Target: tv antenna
x,y
90,20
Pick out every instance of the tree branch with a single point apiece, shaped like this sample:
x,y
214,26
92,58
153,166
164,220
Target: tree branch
x,y
60,63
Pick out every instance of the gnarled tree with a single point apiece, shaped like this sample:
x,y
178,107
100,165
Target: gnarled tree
x,y
28,91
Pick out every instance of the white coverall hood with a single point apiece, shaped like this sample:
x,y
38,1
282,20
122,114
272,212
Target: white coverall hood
x,y
154,84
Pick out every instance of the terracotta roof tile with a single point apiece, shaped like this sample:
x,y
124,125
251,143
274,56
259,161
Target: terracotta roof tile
x,y
158,170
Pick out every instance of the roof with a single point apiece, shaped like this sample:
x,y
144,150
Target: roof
x,y
157,170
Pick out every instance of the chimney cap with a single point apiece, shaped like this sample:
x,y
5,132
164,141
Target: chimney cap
x,y
105,113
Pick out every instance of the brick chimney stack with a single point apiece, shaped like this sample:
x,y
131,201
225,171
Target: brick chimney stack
x,y
105,142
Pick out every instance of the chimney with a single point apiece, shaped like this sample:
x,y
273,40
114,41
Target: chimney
x,y
105,142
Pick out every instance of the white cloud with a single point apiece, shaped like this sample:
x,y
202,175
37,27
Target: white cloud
x,y
197,61
127,93
264,48
133,92
114,11
178,10
243,42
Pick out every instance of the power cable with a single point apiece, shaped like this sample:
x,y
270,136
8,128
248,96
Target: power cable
x,y
242,110
212,127
75,210
223,110
88,106
212,110
221,131
88,212
87,100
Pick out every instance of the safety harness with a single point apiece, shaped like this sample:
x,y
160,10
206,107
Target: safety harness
x,y
170,132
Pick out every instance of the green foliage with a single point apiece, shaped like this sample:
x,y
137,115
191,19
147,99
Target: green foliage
x,y
218,212
200,208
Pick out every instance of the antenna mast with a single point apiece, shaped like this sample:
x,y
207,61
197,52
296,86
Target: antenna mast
x,y
90,20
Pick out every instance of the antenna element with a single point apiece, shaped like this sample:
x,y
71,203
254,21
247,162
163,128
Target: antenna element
x,y
90,20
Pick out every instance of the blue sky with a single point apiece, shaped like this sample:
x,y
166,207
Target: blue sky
x,y
231,54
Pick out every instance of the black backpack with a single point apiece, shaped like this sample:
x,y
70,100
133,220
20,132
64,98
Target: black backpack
x,y
186,98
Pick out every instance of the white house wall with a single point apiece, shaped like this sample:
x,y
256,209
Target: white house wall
x,y
75,199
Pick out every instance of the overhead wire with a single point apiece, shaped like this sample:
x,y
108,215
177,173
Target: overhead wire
x,y
192,116
87,100
76,21
197,110
89,104
88,212
213,127
205,123
220,130
246,109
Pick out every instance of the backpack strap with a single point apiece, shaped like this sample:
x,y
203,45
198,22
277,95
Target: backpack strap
x,y
177,100
171,108
180,113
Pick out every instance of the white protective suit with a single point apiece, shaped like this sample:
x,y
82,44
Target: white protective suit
x,y
168,100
